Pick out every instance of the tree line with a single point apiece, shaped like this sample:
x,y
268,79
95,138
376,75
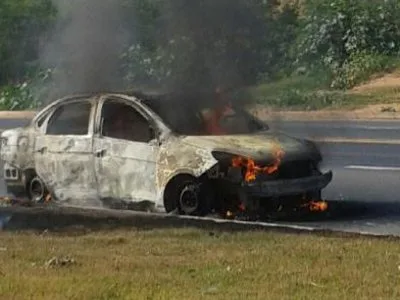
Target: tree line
x,y
207,42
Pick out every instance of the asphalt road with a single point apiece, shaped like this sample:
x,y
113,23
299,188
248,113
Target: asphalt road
x,y
347,129
366,175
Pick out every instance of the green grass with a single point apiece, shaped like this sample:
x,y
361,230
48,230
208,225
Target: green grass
x,y
193,264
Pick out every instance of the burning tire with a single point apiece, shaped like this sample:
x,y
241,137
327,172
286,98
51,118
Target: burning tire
x,y
187,195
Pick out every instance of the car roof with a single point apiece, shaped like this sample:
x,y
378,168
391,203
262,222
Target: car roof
x,y
153,97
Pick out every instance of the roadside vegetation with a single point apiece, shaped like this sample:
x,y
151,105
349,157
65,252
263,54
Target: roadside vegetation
x,y
196,264
306,54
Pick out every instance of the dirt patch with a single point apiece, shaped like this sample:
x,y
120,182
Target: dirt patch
x,y
388,81
17,114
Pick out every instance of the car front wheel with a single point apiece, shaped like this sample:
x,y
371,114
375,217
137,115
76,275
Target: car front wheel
x,y
189,196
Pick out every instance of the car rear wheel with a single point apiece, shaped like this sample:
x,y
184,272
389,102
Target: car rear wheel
x,y
37,190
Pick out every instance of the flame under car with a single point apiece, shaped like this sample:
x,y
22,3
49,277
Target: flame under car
x,y
168,152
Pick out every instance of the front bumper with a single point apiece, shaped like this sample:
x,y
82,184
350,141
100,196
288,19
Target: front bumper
x,y
280,188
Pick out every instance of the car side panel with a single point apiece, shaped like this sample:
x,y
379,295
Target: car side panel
x,y
66,164
126,170
177,158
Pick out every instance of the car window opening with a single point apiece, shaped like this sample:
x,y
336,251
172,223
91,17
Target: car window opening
x,y
186,119
122,121
70,119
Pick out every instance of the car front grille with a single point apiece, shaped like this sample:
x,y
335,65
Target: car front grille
x,y
295,169
290,170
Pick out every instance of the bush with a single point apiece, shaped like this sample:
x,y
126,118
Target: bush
x,y
22,25
342,35
331,43
26,95
359,67
207,43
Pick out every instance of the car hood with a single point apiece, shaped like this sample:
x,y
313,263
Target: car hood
x,y
258,146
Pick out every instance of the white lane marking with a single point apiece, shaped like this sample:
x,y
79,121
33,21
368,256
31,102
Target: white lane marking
x,y
340,140
364,127
375,127
373,168
344,127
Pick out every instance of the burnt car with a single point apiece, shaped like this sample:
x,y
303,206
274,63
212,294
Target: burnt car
x,y
158,152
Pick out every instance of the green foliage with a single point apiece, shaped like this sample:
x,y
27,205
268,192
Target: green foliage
x,y
359,67
342,35
334,29
22,24
210,43
141,65
15,97
322,44
25,95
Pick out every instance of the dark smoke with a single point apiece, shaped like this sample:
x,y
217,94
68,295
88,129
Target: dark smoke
x,y
213,44
223,42
85,46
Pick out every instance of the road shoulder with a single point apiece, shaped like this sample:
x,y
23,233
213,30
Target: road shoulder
x,y
17,114
375,112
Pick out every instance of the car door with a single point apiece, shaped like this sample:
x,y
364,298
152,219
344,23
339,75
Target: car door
x,y
64,151
125,156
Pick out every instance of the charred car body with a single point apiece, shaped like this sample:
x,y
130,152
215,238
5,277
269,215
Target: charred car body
x,y
158,152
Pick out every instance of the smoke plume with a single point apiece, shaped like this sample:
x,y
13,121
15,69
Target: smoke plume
x,y
203,44
223,40
85,46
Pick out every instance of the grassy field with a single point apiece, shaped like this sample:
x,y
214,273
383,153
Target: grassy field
x,y
194,264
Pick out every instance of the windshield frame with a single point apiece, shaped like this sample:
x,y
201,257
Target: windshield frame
x,y
154,107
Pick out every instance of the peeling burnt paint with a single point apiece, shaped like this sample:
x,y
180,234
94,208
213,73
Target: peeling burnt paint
x,y
177,157
255,146
126,170
65,163
16,149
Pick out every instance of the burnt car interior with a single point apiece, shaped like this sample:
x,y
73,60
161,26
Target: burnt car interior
x,y
122,121
202,118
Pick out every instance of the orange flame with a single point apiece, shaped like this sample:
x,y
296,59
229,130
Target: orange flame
x,y
252,170
317,206
212,121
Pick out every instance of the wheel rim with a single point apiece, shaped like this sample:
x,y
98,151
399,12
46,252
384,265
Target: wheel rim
x,y
37,190
189,199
